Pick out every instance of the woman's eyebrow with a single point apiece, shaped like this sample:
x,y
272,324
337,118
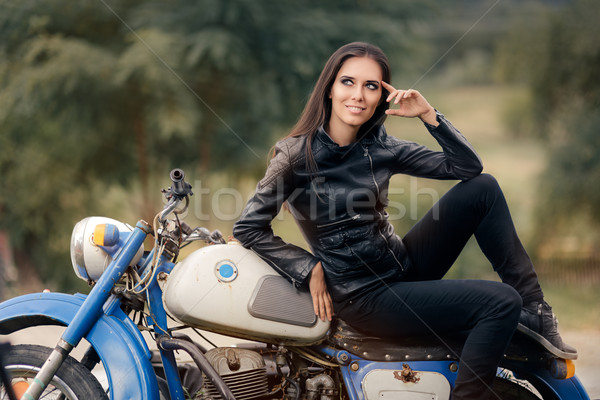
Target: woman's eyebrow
x,y
367,81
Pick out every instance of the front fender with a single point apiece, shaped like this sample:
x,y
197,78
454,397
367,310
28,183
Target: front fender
x,y
116,339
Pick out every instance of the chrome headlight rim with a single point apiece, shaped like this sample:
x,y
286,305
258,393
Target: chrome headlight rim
x,y
77,249
89,260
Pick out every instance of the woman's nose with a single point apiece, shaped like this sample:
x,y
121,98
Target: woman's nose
x,y
357,94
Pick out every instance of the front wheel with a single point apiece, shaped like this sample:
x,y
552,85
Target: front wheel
x,y
72,381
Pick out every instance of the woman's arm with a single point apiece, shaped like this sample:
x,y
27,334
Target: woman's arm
x,y
254,231
458,159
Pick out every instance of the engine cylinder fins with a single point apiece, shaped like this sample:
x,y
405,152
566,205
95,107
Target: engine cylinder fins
x,y
245,385
243,371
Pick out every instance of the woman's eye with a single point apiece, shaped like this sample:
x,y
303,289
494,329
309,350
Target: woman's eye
x,y
347,82
372,86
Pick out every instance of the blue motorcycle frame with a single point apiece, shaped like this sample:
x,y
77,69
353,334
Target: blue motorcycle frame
x,y
126,358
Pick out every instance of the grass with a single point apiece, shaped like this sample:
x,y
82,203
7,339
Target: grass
x,y
577,306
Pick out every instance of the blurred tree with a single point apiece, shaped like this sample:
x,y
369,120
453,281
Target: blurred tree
x,y
252,62
558,56
100,93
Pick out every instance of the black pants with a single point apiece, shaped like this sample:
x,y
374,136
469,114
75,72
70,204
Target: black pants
x,y
425,304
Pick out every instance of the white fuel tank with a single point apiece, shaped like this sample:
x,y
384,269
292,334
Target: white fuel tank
x,y
228,289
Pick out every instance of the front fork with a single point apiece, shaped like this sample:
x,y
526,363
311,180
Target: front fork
x,y
89,312
158,318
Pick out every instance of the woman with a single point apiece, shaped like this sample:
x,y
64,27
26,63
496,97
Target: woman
x,y
333,172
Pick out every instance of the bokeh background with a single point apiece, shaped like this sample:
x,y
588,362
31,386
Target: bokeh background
x,y
100,99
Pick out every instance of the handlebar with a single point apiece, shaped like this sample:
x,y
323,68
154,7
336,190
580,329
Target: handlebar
x,y
180,188
206,236
178,191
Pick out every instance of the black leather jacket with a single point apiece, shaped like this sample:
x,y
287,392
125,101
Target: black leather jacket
x,y
340,208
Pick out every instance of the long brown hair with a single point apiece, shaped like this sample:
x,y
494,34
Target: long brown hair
x,y
318,108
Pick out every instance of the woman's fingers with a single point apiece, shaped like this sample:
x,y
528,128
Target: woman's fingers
x,y
316,305
398,94
411,102
393,92
322,304
327,310
322,309
387,86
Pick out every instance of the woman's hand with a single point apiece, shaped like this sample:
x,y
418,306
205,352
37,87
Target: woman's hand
x,y
411,104
322,303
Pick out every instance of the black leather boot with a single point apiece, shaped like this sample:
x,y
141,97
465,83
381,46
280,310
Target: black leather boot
x,y
539,322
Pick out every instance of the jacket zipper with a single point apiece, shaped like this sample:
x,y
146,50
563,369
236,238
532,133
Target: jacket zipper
x,y
366,149
367,154
293,280
391,252
352,218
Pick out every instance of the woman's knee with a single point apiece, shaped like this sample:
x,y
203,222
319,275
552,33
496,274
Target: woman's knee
x,y
483,190
509,301
486,182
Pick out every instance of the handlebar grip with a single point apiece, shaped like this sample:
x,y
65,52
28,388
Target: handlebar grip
x,y
179,187
177,175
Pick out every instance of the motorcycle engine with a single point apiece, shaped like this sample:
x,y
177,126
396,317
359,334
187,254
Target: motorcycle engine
x,y
256,373
244,371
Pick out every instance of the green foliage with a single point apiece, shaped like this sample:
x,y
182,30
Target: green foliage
x,y
558,56
94,94
574,172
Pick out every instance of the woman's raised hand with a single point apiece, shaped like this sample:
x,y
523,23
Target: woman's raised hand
x,y
322,303
410,103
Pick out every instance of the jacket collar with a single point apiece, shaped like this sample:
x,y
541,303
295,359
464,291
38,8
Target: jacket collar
x,y
377,133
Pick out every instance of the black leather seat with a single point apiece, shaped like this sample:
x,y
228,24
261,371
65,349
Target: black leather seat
x,y
414,348
445,346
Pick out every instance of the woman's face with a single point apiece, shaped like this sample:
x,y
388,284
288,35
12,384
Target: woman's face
x,y
355,94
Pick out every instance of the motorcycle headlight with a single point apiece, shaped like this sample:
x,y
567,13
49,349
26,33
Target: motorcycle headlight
x,y
89,260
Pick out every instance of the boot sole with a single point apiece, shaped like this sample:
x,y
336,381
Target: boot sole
x,y
545,343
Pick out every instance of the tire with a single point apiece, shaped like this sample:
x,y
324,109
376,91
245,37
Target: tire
x,y
73,381
510,390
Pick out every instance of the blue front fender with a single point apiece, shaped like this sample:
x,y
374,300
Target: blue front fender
x,y
116,339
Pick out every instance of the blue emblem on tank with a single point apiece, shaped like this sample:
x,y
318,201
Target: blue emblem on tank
x,y
226,271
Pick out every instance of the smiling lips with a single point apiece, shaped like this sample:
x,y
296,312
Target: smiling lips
x,y
355,109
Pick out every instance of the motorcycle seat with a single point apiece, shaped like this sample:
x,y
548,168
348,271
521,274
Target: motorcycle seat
x,y
423,348
413,348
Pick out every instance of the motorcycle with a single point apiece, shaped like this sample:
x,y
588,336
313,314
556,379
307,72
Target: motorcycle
x,y
224,288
